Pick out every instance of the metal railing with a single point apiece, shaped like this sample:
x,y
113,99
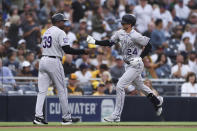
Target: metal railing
x,y
166,87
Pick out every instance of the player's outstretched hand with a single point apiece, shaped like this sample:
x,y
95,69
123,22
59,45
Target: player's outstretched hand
x,y
90,40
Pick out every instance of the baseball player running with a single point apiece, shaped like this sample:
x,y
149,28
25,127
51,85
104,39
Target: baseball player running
x,y
54,44
132,44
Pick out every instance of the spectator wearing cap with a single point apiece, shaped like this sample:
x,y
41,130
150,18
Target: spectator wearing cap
x,y
162,13
6,29
69,66
158,38
12,63
82,33
185,45
182,11
118,69
180,70
143,13
21,52
73,87
189,88
22,44
31,32
25,72
7,46
83,24
69,33
6,72
193,18
100,90
83,75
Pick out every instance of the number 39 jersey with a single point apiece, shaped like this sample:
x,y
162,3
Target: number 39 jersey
x,y
131,43
52,41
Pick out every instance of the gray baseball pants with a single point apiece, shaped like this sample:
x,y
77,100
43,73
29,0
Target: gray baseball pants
x,y
132,75
52,69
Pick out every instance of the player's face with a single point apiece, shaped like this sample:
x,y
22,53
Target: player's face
x,y
126,26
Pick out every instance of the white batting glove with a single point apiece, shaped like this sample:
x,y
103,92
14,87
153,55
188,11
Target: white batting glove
x,y
90,40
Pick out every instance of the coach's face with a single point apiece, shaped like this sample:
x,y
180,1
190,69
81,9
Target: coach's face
x,y
60,24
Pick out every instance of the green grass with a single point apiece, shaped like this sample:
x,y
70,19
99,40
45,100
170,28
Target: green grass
x,y
101,129
102,126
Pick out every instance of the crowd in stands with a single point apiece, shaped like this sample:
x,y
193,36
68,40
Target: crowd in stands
x,y
171,25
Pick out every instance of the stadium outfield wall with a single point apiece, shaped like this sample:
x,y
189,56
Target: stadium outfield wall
x,y
91,108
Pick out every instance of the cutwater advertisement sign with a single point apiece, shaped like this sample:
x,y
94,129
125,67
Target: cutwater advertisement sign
x,y
86,108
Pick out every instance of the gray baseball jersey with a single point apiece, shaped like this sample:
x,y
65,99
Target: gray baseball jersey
x,y
51,69
52,42
131,43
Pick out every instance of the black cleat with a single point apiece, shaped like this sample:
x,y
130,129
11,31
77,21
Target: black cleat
x,y
39,121
70,121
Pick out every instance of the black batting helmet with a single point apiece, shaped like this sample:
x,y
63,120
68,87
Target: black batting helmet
x,y
58,17
128,19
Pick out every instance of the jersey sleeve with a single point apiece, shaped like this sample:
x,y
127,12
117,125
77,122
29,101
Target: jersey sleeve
x,y
115,37
141,40
63,39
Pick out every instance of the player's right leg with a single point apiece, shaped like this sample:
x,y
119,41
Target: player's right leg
x,y
123,82
156,100
58,79
43,84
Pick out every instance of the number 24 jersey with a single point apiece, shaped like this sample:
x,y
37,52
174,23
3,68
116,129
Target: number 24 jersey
x,y
131,43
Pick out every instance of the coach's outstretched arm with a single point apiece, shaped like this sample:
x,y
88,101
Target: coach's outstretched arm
x,y
69,50
91,40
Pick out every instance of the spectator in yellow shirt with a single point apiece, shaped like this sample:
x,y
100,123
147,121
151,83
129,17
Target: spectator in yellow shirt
x,y
73,88
100,89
